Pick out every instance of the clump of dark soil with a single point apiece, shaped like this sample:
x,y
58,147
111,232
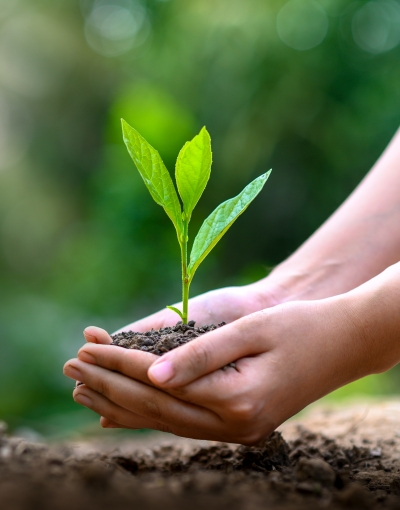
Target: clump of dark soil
x,y
311,471
160,341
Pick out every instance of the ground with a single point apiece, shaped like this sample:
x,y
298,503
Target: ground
x,y
328,458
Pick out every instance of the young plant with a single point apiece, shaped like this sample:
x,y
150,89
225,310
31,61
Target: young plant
x,y
192,172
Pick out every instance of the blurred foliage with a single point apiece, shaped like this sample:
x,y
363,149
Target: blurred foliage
x,y
310,88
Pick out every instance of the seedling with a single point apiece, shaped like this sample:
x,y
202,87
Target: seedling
x,y
192,172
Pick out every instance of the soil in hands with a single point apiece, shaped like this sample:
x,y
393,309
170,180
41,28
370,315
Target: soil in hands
x,y
160,341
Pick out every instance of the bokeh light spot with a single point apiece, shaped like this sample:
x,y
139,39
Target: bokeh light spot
x,y
302,24
376,26
111,29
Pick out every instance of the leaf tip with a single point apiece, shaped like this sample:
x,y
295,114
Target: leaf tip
x,y
204,132
125,125
265,176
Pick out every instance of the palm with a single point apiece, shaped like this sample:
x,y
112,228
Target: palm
x,y
227,305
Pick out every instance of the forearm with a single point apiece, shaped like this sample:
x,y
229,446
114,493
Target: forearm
x,y
356,243
374,310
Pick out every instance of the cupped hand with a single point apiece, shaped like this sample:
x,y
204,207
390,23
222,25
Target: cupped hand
x,y
221,305
286,357
227,304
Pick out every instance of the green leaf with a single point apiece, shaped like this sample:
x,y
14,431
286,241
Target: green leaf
x,y
155,174
193,168
175,310
219,221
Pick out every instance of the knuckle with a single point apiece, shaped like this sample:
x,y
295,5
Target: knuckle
x,y
243,411
182,393
152,409
255,433
103,387
121,360
199,356
251,438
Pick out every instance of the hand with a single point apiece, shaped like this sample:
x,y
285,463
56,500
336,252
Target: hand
x,y
227,304
286,357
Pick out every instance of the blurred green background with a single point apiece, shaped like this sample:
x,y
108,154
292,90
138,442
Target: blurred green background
x,y
308,87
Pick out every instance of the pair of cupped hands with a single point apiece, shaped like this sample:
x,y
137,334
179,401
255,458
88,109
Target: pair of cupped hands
x,y
287,355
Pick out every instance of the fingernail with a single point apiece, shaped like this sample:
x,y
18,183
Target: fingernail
x,y
72,372
87,335
161,372
86,357
83,399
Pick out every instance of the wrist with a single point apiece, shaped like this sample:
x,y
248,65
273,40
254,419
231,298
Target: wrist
x,y
287,283
373,309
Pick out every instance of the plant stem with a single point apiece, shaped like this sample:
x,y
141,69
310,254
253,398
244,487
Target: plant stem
x,y
185,277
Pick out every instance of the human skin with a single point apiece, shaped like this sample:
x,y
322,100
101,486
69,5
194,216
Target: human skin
x,y
326,316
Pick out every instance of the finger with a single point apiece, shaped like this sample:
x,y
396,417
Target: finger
x,y
96,335
130,362
140,398
210,352
113,413
107,424
120,417
215,391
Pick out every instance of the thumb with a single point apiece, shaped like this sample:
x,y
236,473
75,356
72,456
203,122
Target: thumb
x,y
208,353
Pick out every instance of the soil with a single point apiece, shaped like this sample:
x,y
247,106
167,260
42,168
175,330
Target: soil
x,y
160,341
354,463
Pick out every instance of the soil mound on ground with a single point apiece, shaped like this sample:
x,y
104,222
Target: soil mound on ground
x,y
309,470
